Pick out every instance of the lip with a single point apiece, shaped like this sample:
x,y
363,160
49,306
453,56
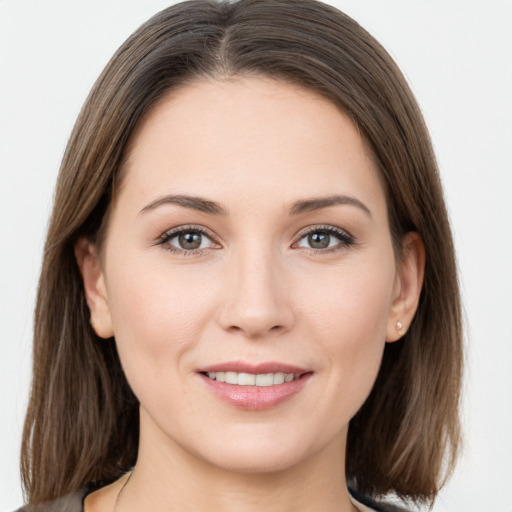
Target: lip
x,y
243,367
255,398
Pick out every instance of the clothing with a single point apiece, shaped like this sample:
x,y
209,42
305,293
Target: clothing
x,y
75,503
70,503
365,504
360,507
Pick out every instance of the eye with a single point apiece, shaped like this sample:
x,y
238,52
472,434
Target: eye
x,y
186,240
324,238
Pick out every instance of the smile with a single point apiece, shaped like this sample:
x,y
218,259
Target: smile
x,y
249,379
255,387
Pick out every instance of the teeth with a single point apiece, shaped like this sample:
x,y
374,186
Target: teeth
x,y
264,379
278,378
231,378
248,379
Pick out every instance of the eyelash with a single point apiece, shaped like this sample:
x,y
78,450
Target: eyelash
x,y
173,233
344,238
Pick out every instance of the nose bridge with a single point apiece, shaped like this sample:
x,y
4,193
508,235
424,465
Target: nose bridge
x,y
256,300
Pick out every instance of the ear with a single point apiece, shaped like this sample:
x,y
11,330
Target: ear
x,y
407,289
95,289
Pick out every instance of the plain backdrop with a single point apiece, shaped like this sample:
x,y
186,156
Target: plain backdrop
x,y
457,57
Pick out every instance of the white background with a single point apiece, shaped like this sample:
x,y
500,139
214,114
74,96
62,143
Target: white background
x,y
458,57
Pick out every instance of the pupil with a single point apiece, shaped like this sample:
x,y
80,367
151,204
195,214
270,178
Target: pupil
x,y
319,240
190,240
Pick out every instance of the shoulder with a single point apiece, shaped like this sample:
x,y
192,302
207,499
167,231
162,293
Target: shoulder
x,y
70,503
74,503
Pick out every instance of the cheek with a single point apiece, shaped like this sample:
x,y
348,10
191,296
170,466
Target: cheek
x,y
158,314
349,317
351,300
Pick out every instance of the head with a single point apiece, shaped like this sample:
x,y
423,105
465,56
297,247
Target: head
x,y
302,52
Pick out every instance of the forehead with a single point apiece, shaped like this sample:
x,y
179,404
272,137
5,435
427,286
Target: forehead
x,y
222,138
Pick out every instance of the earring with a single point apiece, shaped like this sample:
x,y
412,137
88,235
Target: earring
x,y
91,321
399,325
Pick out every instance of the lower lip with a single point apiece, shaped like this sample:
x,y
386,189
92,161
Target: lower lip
x,y
256,398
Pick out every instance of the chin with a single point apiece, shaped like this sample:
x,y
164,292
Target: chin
x,y
258,461
258,453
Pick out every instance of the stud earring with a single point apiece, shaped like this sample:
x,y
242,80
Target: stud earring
x,y
399,325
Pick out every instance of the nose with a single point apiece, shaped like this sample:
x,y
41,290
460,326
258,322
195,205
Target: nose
x,y
256,296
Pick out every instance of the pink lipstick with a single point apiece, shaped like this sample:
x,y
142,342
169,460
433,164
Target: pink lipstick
x,y
254,387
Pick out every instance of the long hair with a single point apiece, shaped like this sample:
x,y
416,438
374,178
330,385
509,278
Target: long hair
x,y
82,419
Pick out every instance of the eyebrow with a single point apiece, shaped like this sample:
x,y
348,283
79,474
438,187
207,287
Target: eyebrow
x,y
318,203
214,208
192,202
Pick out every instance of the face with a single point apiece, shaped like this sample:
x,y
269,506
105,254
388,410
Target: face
x,y
248,274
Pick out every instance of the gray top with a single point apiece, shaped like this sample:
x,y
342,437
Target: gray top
x,y
75,503
70,503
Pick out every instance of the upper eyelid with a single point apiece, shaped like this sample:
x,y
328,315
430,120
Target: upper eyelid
x,y
170,233
320,227
164,239
345,238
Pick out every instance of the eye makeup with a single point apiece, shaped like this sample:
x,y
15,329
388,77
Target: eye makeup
x,y
320,239
192,240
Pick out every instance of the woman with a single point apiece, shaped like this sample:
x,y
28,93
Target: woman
x,y
190,353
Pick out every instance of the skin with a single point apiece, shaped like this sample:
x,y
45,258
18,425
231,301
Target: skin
x,y
256,292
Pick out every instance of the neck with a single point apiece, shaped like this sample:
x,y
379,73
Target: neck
x,y
172,479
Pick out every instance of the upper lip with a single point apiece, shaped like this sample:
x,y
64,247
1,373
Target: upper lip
x,y
255,369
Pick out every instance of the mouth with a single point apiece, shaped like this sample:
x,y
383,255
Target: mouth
x,y
255,387
250,379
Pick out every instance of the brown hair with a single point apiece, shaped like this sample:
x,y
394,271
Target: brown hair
x,y
82,419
